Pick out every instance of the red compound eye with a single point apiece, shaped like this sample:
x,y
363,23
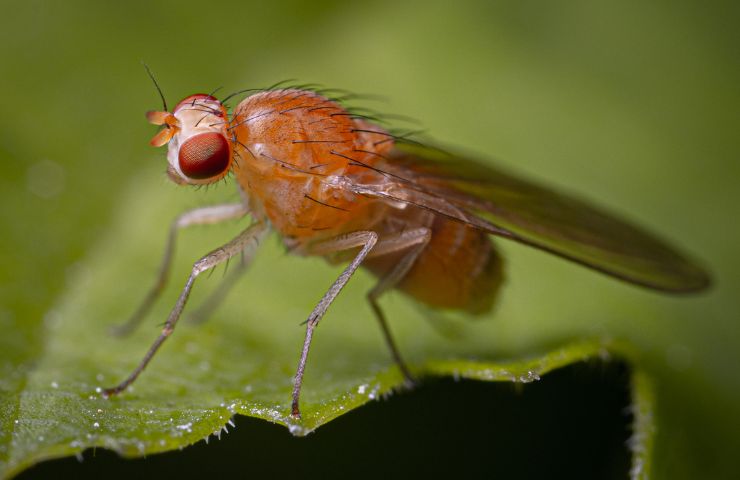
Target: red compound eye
x,y
204,156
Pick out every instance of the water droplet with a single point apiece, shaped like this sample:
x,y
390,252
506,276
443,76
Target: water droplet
x,y
529,377
297,429
188,427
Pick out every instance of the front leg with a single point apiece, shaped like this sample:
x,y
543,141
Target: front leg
x,y
245,241
198,216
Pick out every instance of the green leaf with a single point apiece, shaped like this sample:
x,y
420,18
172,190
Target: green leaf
x,y
632,104
240,362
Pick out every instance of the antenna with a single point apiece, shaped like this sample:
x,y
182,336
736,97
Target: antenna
x,y
161,95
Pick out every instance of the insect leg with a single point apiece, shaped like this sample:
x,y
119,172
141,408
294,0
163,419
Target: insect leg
x,y
364,239
415,241
203,312
249,238
198,216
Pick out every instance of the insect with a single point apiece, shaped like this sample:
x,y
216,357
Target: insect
x,y
334,184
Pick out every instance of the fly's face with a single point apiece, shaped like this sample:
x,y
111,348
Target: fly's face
x,y
195,133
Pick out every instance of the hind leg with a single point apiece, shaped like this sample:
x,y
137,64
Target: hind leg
x,y
415,241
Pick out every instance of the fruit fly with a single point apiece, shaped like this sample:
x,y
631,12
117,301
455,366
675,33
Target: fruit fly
x,y
336,185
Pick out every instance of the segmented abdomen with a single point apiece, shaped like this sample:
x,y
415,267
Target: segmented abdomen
x,y
459,269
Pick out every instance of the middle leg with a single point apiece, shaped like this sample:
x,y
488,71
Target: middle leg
x,y
414,240
364,239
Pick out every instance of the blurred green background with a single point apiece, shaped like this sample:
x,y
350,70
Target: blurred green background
x,y
633,104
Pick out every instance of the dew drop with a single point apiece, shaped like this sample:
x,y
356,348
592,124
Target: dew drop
x,y
188,427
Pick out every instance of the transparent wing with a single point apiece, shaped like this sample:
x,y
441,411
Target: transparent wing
x,y
503,205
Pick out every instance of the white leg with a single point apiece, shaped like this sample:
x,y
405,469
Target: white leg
x,y
366,240
246,240
198,216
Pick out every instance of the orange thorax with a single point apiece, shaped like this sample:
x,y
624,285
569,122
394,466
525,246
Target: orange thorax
x,y
294,151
